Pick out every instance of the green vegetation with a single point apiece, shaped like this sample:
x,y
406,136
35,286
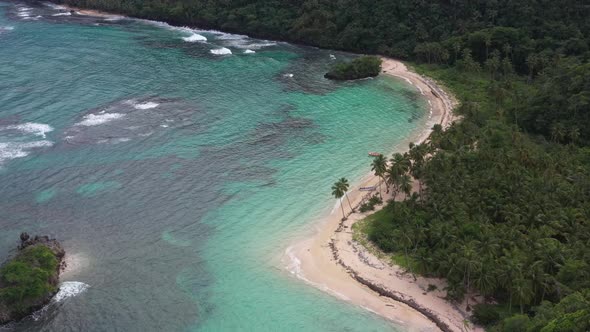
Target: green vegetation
x,y
500,211
27,277
528,32
363,67
501,200
370,204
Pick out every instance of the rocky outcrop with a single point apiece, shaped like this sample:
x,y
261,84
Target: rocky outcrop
x,y
19,296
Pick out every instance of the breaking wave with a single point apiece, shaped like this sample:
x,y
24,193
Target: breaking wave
x,y
39,129
54,6
69,289
195,37
221,51
146,106
14,150
98,119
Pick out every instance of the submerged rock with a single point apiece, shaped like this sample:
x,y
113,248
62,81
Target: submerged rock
x,y
30,279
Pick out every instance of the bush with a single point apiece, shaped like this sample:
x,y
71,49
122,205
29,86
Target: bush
x,y
366,66
375,200
485,314
370,205
27,276
365,207
516,323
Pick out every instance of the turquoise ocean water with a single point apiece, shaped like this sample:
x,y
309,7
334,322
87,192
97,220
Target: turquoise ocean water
x,y
177,173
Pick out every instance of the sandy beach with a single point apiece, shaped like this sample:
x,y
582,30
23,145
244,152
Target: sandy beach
x,y
331,261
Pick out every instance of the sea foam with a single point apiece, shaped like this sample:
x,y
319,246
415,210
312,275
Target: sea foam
x,y
221,51
39,129
62,14
69,289
9,151
195,37
249,51
54,6
98,119
146,106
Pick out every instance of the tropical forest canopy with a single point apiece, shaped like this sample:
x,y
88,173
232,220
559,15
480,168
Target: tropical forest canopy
x,y
503,204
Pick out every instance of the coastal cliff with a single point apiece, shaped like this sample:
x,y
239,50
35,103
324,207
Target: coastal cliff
x,y
30,279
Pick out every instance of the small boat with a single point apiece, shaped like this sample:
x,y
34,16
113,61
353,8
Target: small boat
x,y
374,154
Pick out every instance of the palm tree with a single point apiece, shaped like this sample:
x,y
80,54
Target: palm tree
x,y
379,166
337,192
401,163
574,134
436,136
343,183
488,43
418,155
405,184
558,132
392,179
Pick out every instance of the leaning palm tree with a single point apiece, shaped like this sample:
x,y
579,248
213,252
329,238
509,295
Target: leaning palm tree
x,y
379,166
337,192
344,185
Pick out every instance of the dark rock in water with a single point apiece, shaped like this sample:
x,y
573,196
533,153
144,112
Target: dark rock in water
x,y
24,236
29,280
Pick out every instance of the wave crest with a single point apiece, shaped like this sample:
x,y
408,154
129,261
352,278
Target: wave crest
x,y
221,51
9,151
195,37
98,119
69,289
146,106
39,129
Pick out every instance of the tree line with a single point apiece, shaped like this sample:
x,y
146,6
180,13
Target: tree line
x,y
503,199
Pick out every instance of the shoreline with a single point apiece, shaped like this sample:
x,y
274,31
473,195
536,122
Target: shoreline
x,y
327,259
333,262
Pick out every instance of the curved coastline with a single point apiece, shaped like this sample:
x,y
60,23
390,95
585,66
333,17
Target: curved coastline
x,y
332,261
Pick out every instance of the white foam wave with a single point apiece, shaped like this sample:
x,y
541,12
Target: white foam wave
x,y
146,106
195,37
62,14
294,265
289,75
6,28
54,6
221,51
9,151
39,129
114,140
261,45
115,18
69,289
98,119
249,51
